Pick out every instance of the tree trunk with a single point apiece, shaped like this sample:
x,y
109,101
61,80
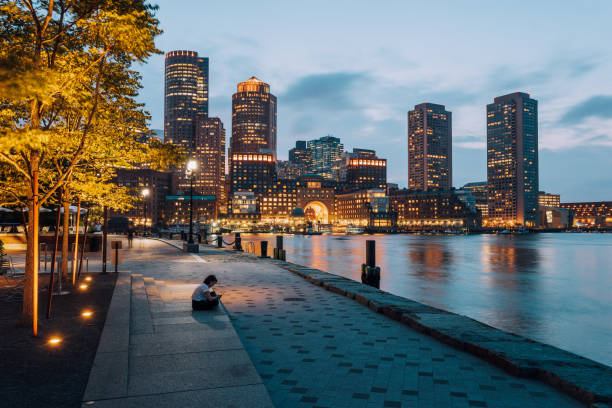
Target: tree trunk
x,y
104,238
76,244
54,258
65,237
83,243
29,312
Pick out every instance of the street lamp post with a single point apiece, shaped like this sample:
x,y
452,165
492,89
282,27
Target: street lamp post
x,y
145,194
192,165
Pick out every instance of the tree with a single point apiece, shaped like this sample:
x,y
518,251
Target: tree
x,y
67,98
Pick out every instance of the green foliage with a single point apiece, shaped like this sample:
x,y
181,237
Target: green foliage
x,y
68,113
67,97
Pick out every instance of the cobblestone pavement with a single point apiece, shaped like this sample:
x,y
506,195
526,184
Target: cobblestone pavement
x,y
312,347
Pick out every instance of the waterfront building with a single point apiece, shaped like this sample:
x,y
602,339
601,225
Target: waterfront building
x,y
300,154
596,214
325,154
316,197
432,210
366,173
364,153
209,145
392,187
467,198
549,200
279,201
366,208
359,170
252,172
480,192
287,170
512,161
253,119
430,154
554,217
158,183
244,206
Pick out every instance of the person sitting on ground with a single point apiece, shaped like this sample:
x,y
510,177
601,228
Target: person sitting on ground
x,y
203,298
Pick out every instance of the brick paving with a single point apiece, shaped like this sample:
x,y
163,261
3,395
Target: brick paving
x,y
313,348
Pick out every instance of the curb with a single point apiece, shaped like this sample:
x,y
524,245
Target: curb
x,y
108,377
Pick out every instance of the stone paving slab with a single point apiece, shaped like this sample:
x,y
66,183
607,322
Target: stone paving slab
x,y
160,374
253,396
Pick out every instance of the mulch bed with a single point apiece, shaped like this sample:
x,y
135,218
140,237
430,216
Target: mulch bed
x,y
34,373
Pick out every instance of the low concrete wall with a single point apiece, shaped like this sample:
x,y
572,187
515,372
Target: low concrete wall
x,y
14,242
17,241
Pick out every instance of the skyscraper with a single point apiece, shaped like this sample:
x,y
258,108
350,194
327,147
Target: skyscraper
x,y
186,124
512,160
430,154
253,118
299,154
210,153
186,95
325,154
252,152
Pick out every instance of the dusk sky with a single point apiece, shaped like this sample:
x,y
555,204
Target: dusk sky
x,y
353,69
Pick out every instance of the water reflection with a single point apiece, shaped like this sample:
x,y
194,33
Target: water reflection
x,y
501,255
430,260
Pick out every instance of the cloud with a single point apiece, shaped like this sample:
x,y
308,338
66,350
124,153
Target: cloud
x,y
599,106
324,91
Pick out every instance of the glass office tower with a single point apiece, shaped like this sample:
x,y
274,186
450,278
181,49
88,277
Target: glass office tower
x,y
430,153
253,118
512,160
185,97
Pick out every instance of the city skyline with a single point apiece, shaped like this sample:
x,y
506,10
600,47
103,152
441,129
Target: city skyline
x,y
365,106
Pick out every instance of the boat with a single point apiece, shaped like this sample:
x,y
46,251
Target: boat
x,y
310,231
505,232
354,230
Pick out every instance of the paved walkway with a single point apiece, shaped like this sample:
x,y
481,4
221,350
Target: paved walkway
x,y
156,352
311,347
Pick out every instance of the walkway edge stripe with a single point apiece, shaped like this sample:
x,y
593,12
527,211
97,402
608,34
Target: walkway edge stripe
x,y
108,377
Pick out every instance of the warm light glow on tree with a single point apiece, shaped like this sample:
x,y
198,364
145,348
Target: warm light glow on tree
x,y
68,114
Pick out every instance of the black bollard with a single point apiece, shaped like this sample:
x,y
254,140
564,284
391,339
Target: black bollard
x,y
237,242
277,252
371,253
279,241
370,273
219,241
264,249
199,238
205,237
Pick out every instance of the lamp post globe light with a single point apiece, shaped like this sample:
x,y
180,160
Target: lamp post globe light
x,y
145,193
192,165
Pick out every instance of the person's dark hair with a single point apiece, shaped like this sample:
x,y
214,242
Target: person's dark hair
x,y
210,279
